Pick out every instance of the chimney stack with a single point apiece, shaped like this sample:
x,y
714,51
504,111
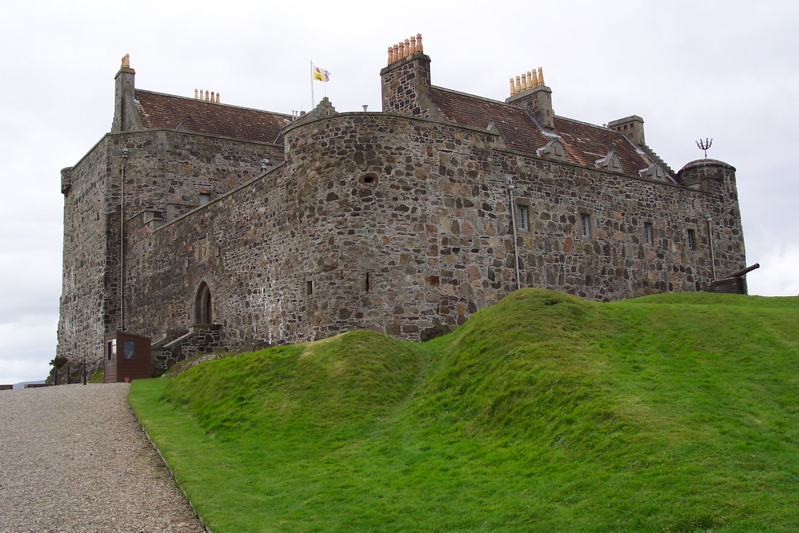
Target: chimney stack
x,y
405,82
125,115
632,127
528,91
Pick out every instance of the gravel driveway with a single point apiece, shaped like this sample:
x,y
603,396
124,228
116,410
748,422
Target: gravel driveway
x,y
74,459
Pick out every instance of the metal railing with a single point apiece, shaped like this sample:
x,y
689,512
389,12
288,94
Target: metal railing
x,y
66,374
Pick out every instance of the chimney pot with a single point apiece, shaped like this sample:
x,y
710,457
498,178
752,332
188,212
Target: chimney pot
x,y
530,92
408,47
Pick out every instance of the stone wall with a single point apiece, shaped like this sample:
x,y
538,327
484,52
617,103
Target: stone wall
x,y
403,225
199,340
81,321
164,174
168,170
718,178
405,88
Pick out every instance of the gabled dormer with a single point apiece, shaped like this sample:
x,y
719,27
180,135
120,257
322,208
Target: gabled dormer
x,y
655,172
610,162
554,149
500,139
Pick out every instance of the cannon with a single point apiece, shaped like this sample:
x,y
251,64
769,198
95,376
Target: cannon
x,y
743,272
734,283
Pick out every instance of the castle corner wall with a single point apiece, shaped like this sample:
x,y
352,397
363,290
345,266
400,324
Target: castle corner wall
x,y
403,225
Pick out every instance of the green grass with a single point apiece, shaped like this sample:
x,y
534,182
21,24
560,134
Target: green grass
x,y
675,412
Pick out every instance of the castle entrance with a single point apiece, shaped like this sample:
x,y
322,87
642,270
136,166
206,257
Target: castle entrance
x,y
202,306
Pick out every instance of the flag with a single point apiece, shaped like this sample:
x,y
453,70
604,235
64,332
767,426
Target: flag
x,y
320,74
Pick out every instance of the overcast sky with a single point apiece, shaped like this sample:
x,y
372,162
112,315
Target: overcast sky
x,y
692,69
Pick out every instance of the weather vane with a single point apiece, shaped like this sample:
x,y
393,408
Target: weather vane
x,y
704,145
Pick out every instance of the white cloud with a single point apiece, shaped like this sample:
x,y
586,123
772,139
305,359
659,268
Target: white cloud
x,y
28,347
777,275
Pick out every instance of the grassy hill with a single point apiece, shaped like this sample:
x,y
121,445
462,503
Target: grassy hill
x,y
675,412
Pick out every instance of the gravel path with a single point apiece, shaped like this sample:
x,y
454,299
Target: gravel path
x,y
74,459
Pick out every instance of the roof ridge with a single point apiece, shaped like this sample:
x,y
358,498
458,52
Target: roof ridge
x,y
588,124
192,99
511,106
484,98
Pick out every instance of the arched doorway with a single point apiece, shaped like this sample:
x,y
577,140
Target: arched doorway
x,y
202,306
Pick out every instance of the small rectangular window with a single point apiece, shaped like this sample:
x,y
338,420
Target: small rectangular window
x,y
309,287
128,350
522,218
648,232
691,239
204,199
585,224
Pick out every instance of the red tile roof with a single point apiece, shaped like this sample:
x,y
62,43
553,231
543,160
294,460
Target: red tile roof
x,y
584,143
520,132
166,111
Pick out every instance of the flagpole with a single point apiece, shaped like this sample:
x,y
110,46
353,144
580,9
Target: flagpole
x,y
312,98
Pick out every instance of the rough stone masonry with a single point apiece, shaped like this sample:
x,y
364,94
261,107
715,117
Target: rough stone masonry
x,y
201,224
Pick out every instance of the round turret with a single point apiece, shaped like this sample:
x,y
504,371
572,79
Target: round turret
x,y
707,175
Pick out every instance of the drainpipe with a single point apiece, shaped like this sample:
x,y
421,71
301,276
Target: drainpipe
x,y
710,239
125,153
511,187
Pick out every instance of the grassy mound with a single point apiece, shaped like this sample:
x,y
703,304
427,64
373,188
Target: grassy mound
x,y
342,379
545,412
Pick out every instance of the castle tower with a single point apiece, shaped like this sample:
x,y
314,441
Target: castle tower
x,y
710,175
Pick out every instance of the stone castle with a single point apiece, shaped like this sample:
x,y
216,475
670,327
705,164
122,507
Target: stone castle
x,y
200,224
